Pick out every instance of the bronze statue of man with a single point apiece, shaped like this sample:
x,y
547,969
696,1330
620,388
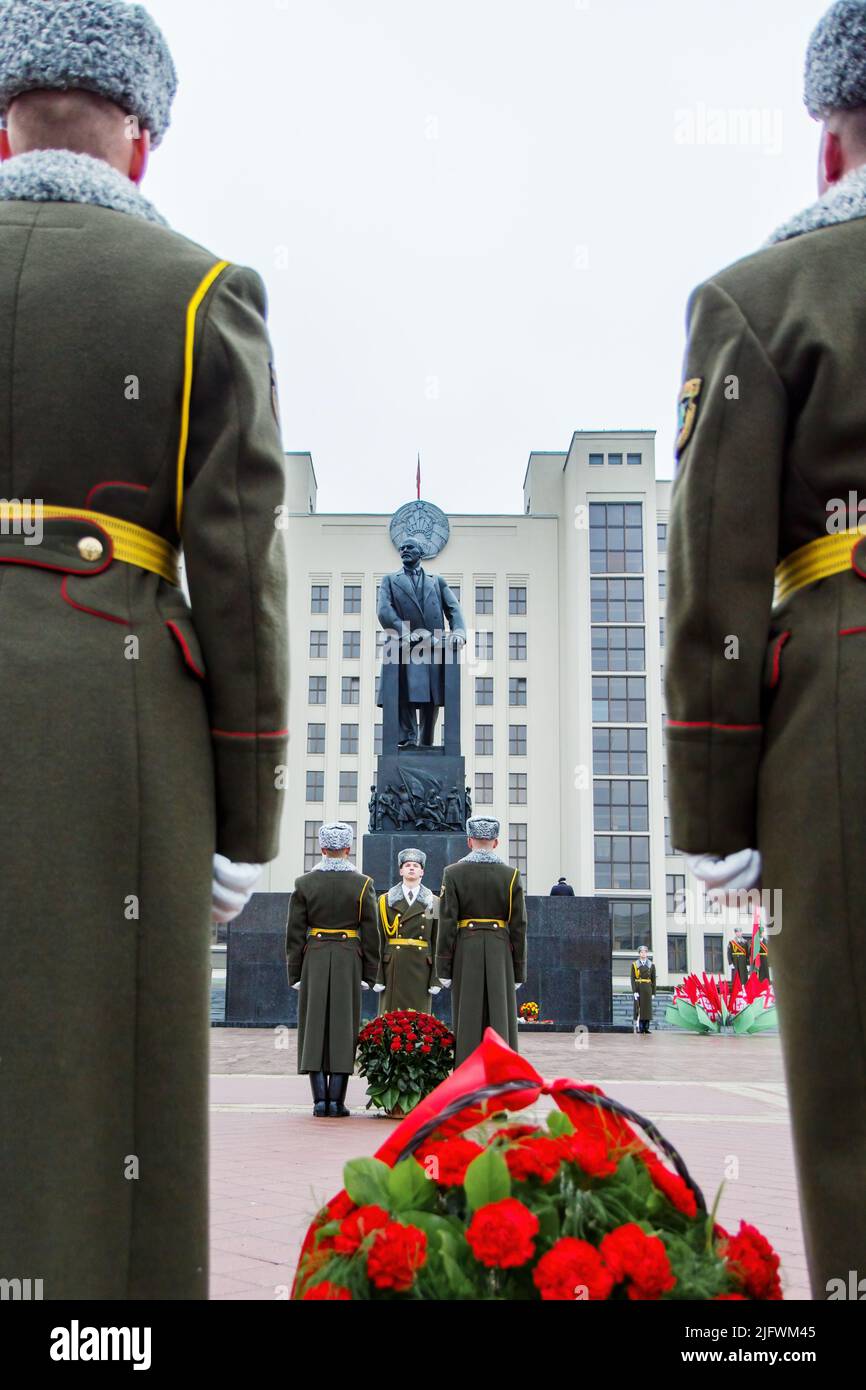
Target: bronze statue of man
x,y
415,606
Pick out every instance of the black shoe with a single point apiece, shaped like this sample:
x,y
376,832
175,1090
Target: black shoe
x,y
338,1085
319,1087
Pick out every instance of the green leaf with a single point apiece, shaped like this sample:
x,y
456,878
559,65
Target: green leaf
x,y
366,1181
409,1188
487,1180
559,1124
548,1223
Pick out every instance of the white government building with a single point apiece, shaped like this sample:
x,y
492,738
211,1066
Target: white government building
x,y
562,702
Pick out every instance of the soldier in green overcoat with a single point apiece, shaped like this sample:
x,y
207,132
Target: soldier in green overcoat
x,y
643,983
407,925
766,629
332,947
139,735
738,956
481,945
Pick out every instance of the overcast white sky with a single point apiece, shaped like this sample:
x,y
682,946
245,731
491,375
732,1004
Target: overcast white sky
x,y
479,220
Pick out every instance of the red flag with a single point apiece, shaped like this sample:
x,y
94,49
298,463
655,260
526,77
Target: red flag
x,y
418,478
757,937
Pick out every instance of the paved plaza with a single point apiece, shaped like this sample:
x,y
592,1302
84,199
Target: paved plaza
x,y
273,1165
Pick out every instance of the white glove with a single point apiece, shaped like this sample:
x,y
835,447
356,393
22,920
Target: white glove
x,y
233,886
735,873
297,986
378,989
446,983
636,995
364,984
520,986
435,989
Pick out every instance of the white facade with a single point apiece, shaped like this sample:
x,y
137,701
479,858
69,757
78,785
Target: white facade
x,y
545,602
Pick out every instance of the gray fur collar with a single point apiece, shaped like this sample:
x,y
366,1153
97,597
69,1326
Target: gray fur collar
x,y
335,866
844,202
59,176
396,893
482,856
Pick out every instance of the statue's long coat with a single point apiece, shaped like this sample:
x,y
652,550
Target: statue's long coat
x,y
421,682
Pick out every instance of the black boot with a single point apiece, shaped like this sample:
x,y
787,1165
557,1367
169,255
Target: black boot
x,y
338,1084
319,1088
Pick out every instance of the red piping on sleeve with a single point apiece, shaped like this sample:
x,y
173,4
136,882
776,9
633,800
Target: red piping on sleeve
x,y
777,656
184,646
136,487
705,724
850,631
95,612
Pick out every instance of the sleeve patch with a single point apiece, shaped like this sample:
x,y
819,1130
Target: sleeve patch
x,y
688,412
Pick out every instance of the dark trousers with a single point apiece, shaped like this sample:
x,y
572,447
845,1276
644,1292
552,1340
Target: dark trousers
x,y
418,724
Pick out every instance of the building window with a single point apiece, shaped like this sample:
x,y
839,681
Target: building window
x,y
517,646
596,460
622,861
377,740
318,690
315,738
713,955
318,643
663,585
484,740
348,738
484,646
619,752
615,538
517,598
315,785
618,649
351,688
517,847
669,849
614,460
484,789
621,805
319,600
662,531
619,700
661,632
353,826
351,598
351,644
630,924
348,785
517,690
675,893
517,740
634,460
484,690
677,955
376,688
483,598
616,600
312,852
455,589
517,788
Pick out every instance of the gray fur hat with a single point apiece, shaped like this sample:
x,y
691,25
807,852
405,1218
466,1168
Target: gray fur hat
x,y
103,46
836,60
416,855
335,834
482,828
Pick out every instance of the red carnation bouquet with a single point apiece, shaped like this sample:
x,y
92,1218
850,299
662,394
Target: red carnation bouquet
x,y
404,1055
462,1202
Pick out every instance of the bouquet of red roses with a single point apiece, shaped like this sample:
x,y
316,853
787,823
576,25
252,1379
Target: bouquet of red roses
x,y
404,1055
457,1205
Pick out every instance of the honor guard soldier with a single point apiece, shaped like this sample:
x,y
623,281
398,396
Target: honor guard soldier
x,y
481,946
332,946
738,956
643,983
408,938
767,563
137,417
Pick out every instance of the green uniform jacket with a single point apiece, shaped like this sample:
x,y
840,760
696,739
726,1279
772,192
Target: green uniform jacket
x,y
738,960
767,748
125,764
643,982
483,963
407,972
330,969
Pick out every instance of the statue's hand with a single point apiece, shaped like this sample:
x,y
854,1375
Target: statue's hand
x,y
459,639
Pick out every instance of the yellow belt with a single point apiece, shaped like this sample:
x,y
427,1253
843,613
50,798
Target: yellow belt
x,y
132,544
405,941
819,559
489,921
348,932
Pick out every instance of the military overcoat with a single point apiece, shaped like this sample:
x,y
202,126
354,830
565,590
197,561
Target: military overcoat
x,y
738,960
484,961
643,983
137,734
766,737
408,943
336,900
